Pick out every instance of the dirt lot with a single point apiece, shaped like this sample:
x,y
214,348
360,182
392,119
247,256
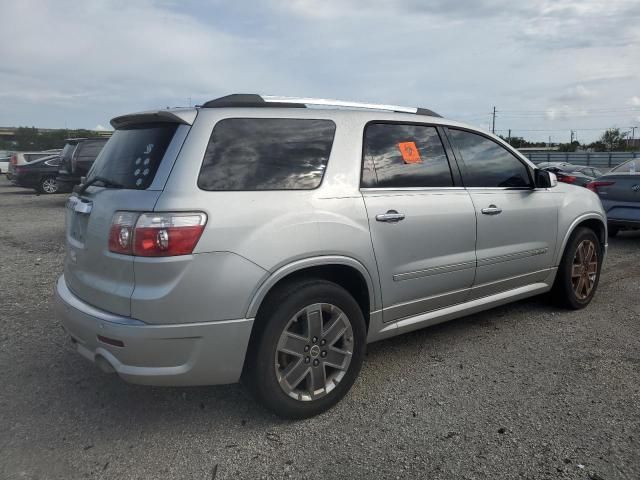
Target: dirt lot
x,y
522,391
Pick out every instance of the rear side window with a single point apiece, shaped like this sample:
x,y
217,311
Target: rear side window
x,y
401,156
488,164
133,154
267,154
31,157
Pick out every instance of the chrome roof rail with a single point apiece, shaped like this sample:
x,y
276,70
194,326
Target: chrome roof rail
x,y
253,100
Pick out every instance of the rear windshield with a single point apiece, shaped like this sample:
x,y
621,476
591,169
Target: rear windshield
x,y
632,166
133,154
267,154
89,149
67,151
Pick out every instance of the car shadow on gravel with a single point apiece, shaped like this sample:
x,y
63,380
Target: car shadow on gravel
x,y
107,397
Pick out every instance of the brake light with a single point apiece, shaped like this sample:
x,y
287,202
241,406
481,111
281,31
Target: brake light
x,y
566,178
593,186
156,234
14,159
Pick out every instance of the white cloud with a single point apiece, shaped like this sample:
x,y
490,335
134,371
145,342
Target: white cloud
x,y
635,101
100,128
81,63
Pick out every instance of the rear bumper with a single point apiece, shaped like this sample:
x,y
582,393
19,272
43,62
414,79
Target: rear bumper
x,y
207,353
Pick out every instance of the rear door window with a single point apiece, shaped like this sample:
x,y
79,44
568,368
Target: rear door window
x,y
267,154
402,156
488,164
133,154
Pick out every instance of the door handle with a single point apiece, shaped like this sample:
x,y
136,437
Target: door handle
x,y
391,216
491,210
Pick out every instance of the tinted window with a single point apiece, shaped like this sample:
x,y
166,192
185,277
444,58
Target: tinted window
x,y
89,150
132,155
488,164
266,154
67,151
30,157
400,156
52,162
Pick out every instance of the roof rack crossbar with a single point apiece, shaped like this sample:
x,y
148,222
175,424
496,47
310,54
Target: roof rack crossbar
x,y
253,100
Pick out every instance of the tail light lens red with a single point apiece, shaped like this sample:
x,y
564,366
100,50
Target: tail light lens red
x,y
566,178
593,186
14,159
156,234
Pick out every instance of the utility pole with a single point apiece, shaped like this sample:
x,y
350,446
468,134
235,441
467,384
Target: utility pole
x,y
572,132
549,144
509,137
493,121
633,136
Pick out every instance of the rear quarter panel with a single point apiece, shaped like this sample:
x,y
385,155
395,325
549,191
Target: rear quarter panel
x,y
577,205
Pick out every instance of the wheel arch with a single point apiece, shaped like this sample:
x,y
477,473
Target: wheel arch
x,y
592,221
347,272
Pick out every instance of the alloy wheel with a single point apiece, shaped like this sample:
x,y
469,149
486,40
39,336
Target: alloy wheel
x,y
314,352
49,185
584,269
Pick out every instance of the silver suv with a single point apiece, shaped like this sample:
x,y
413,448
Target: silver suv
x,y
269,239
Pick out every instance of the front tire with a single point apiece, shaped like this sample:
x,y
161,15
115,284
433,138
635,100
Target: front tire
x,y
307,350
579,271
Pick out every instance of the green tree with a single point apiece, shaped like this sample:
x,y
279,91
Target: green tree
x,y
611,140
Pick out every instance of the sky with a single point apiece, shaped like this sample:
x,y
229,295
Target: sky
x,y
548,67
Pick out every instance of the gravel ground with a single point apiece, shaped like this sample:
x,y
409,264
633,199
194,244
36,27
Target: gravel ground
x,y
522,391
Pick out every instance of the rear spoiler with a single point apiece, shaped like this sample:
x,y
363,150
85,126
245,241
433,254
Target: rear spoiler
x,y
185,116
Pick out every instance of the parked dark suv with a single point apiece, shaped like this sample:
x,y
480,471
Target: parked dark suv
x,y
77,157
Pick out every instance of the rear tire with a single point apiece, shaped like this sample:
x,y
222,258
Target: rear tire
x,y
579,271
48,185
307,349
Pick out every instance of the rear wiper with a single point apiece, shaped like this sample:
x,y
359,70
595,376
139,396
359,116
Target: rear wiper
x,y
105,181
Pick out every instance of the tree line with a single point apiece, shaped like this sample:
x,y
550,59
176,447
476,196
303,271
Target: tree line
x,y
33,139
612,140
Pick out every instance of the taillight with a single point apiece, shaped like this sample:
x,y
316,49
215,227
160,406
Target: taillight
x,y
566,178
14,159
121,232
156,234
593,186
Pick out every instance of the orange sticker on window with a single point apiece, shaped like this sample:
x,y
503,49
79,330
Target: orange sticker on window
x,y
410,153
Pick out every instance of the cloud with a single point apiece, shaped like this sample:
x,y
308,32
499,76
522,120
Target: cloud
x,y
635,101
80,63
576,93
100,128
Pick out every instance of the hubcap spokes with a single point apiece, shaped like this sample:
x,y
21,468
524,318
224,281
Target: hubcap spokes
x,y
314,352
49,186
584,269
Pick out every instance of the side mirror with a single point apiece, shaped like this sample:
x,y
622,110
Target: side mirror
x,y
545,179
